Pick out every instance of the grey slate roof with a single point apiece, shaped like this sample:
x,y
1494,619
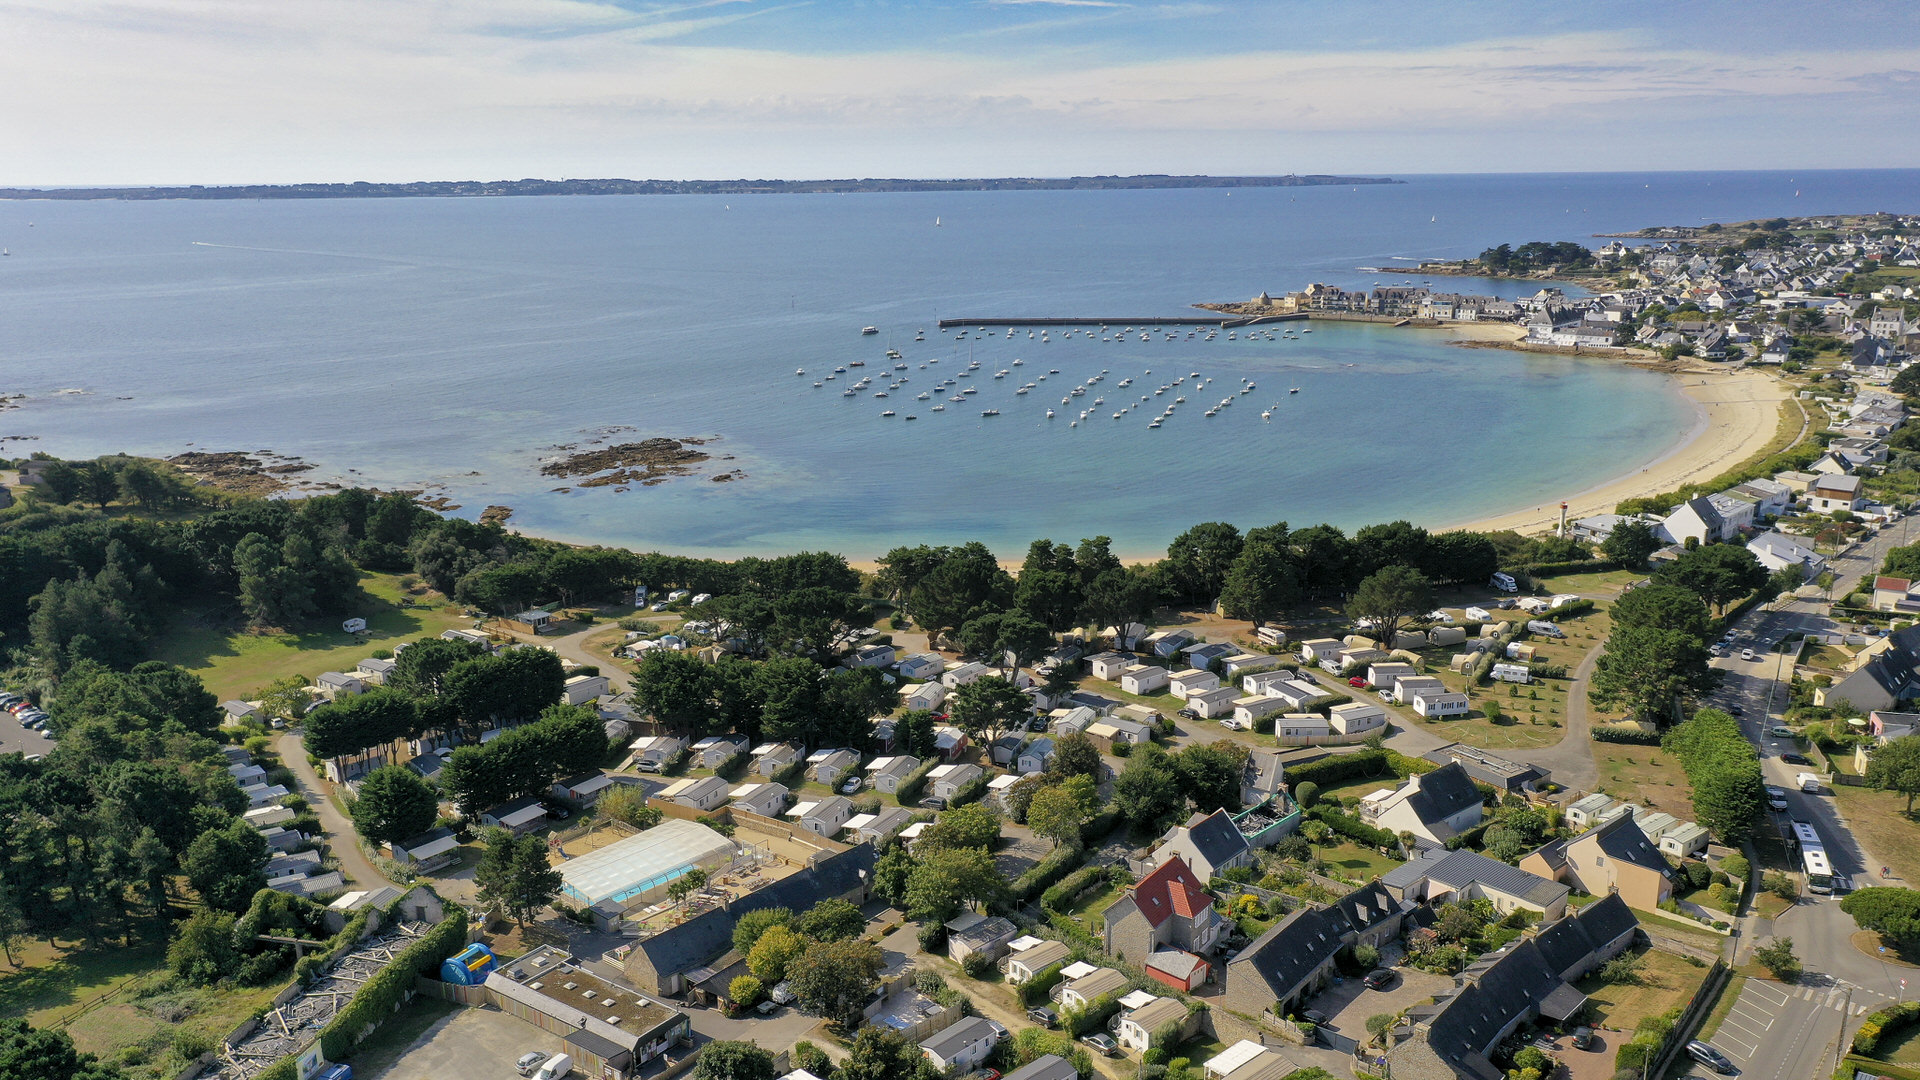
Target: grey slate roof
x,y
1045,1067
1215,837
1458,869
1287,954
709,934
1622,839
1443,793
952,1039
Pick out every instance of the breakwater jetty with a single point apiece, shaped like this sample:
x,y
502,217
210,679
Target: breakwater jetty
x,y
1226,323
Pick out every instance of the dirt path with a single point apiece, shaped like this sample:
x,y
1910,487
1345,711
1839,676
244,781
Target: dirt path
x,y
345,845
1571,759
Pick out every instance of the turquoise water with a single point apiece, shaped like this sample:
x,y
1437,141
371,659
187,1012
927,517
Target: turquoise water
x,y
455,341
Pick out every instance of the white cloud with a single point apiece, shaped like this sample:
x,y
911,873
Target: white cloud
x,y
228,91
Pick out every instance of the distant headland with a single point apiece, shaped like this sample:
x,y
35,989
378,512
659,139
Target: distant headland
x,y
480,188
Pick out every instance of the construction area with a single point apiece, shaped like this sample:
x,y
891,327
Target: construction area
x,y
294,1024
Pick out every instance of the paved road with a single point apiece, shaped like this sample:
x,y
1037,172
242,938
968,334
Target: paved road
x,y
1779,1032
345,842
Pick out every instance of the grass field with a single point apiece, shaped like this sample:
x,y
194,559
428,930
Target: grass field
x,y
1534,714
234,661
116,1003
1665,980
1879,822
1646,775
1595,583
1350,860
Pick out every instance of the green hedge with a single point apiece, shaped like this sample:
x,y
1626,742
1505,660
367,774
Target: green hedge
x,y
1353,828
908,793
379,995
1633,736
1335,769
1404,765
1099,825
1036,991
1546,671
1571,610
1471,838
972,791
1578,566
1078,1022
1058,863
1878,1025
1061,895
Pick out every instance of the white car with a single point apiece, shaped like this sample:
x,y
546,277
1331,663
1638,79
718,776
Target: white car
x,y
1746,654
1232,724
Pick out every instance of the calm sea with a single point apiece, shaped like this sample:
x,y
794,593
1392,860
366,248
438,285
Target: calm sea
x,y
456,341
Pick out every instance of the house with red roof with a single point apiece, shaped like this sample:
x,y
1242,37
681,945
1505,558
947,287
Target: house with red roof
x,y
1168,909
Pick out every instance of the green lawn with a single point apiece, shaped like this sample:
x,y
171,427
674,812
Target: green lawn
x,y
1350,860
234,662
1665,980
1646,775
1592,583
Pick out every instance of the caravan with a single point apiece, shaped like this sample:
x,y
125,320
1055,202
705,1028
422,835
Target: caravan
x,y
1504,582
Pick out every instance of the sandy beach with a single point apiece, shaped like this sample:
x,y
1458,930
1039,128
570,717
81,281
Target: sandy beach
x,y
1738,415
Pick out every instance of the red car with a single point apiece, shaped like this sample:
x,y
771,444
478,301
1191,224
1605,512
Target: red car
x,y
1356,681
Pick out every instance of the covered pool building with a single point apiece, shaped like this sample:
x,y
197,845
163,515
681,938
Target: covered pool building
x,y
638,869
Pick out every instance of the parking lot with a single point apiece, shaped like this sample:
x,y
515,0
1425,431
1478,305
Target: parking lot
x,y
1348,1002
16,739
472,1044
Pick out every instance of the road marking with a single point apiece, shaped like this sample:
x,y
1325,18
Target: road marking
x,y
1762,991
1764,1022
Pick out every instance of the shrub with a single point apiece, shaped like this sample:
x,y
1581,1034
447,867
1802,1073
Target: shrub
x,y
1038,990
908,793
1058,863
1306,793
1340,767
1878,1025
745,991
1737,867
1631,734
972,792
1698,874
1366,956
1352,827
977,965
1778,957
1780,885
1061,896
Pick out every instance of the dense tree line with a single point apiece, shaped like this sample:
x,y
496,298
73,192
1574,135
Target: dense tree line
x,y
1723,769
784,699
1536,255
525,760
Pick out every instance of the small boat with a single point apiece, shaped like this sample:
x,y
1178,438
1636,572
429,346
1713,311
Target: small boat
x,y
923,396
1154,424
889,412
856,363
1049,414
1266,416
1295,390
990,412
848,393
1022,390
879,393
909,416
939,408
1017,361
800,371
1053,371
1076,423
893,354
921,336
866,330
840,371
1306,329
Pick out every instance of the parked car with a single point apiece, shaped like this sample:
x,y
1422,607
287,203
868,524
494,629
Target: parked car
x,y
1379,978
1355,680
1776,798
1189,714
781,994
1746,654
1231,724
1708,1056
530,1061
933,802
999,1030
852,786
1796,759
1583,1038
767,1008
1038,723
1043,1016
1102,1043
1315,1017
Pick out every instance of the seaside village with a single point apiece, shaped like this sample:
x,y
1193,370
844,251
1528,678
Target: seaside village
x,y
1753,307
1210,850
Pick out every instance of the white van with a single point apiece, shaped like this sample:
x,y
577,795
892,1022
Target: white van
x,y
556,1067
1808,781
1545,629
1504,582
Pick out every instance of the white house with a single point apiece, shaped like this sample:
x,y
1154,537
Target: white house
x,y
886,773
652,752
1777,551
1383,675
770,758
1311,725
947,780
1357,717
1698,520
1215,703
1143,1018
876,827
1028,956
716,750
1109,665
1513,673
334,684
926,695
1435,806
1185,684
1834,491
373,670
1242,664
965,673
1143,680
828,766
1298,694
1204,656
826,817
960,1046
1067,721
769,800
584,688
1315,650
698,792
1167,642
875,656
921,666
1085,984
1248,710
1036,756
1437,703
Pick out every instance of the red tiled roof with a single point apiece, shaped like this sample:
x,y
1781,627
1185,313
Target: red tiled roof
x,y
1892,584
1172,889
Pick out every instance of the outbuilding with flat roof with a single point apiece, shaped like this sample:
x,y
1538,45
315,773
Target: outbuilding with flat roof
x,y
639,868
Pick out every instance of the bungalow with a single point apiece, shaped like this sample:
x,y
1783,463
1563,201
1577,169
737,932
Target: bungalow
x,y
1435,806
1381,676
949,741
1777,551
828,766
1615,858
584,688
426,852
1114,730
921,666
373,670
701,793
520,816
962,674
961,1046
1087,984
1045,1067
1204,656
262,794
877,827
1299,695
1352,657
925,696
1003,750
1036,756
262,817
1302,725
533,621
873,656
652,753
240,710
1110,665
1028,957
1356,717
998,789
1166,643
1684,840
971,932
825,817
1243,664
1168,908
472,637
333,684
1185,684
1436,702
1435,877
1247,1060
716,750
886,773
1143,680
1249,710
767,799
1215,703
1256,685
770,758
1584,811
582,790
945,781
1069,720
1142,1022
1315,650
1209,843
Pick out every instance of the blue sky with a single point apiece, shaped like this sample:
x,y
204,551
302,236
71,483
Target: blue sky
x,y
233,91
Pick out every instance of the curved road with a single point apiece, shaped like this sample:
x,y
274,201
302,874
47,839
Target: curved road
x,y
345,842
